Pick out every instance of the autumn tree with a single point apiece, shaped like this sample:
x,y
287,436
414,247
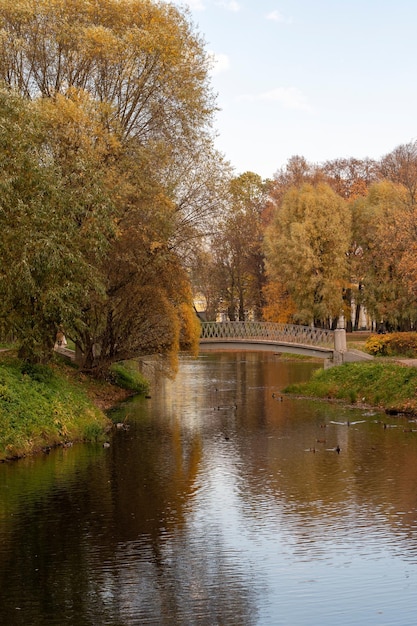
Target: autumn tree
x,y
122,87
140,56
400,167
384,229
350,178
208,281
43,269
236,248
306,246
279,306
295,173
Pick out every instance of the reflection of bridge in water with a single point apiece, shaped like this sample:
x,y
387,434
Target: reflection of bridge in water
x,y
271,337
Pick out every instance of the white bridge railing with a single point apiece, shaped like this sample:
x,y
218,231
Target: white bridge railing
x,y
267,331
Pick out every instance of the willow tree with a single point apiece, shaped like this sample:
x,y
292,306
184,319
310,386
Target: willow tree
x,y
44,268
306,249
385,236
123,86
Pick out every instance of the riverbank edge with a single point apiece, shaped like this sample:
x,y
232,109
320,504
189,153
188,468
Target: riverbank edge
x,y
384,385
90,422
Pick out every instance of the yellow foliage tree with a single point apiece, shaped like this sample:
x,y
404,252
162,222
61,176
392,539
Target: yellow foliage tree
x,y
279,305
122,89
306,248
384,234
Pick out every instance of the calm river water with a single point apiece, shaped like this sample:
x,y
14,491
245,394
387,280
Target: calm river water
x,y
220,505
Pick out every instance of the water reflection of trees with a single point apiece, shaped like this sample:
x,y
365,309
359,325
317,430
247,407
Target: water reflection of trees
x,y
112,543
129,534
370,486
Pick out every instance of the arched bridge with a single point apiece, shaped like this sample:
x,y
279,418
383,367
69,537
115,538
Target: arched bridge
x,y
268,336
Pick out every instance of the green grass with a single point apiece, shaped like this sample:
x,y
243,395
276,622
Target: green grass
x,y
44,406
384,385
126,375
357,340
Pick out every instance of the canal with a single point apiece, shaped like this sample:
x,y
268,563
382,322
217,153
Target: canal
x,y
220,503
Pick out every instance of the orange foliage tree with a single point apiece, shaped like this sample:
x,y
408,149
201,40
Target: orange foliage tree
x,y
279,306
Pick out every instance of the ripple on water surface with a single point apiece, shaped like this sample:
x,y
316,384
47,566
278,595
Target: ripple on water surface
x,y
213,509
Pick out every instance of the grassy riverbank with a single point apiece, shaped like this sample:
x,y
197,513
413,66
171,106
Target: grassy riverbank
x,y
45,406
388,386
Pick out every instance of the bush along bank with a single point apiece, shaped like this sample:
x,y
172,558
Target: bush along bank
x,y
386,386
393,344
46,406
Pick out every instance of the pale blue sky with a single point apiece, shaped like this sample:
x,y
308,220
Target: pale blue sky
x,y
322,79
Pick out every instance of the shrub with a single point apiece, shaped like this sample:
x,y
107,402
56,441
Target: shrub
x,y
403,344
376,345
393,344
38,372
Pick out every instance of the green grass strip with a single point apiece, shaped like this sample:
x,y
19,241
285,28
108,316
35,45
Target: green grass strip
x,y
384,385
40,406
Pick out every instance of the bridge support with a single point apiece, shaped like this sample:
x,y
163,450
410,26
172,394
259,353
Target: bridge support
x,y
340,340
340,346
